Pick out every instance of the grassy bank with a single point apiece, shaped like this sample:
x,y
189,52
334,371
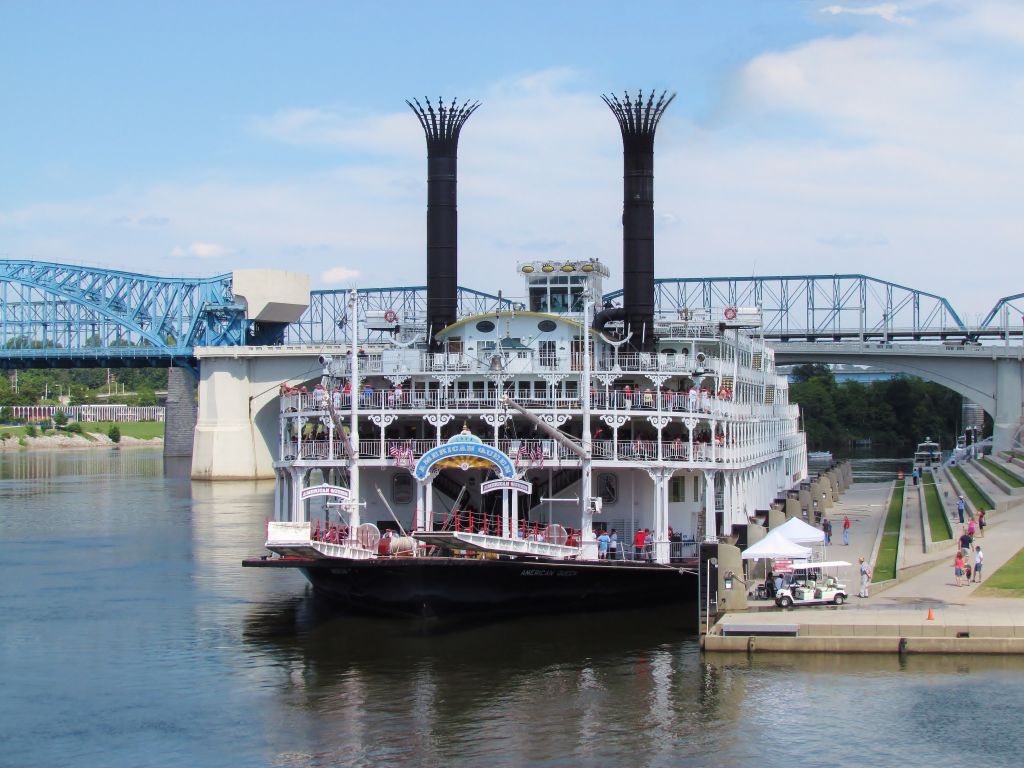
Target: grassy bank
x,y
885,563
1008,581
970,488
1002,472
143,430
938,520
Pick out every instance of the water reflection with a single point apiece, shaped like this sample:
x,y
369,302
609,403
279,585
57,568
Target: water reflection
x,y
527,688
131,636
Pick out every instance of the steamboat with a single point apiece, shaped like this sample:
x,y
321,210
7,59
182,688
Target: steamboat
x,y
558,454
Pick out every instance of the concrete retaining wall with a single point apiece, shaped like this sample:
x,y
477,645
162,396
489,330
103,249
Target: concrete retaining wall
x,y
997,481
896,643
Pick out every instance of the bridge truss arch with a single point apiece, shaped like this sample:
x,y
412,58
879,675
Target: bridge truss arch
x,y
813,306
1007,312
325,320
63,315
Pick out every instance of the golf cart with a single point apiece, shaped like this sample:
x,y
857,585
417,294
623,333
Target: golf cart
x,y
811,587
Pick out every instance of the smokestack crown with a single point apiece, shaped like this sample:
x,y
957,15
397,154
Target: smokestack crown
x,y
638,121
442,124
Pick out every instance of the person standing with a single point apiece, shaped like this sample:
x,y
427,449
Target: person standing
x,y
639,539
865,577
846,530
826,527
979,560
603,542
966,540
960,508
958,568
981,523
613,544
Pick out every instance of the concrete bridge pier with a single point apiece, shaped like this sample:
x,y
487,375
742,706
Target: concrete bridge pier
x,y
180,415
235,435
1009,403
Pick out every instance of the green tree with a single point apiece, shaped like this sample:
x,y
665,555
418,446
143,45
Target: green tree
x,y
114,433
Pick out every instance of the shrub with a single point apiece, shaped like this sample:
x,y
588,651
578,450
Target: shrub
x,y
31,431
75,427
22,441
60,418
5,436
114,433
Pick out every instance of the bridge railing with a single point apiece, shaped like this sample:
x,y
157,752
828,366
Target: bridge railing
x,y
85,413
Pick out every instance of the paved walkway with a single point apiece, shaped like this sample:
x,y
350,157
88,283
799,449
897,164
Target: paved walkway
x,y
908,602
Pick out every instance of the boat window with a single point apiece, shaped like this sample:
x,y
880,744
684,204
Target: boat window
x,y
546,326
485,326
559,300
548,353
539,299
401,488
607,487
677,490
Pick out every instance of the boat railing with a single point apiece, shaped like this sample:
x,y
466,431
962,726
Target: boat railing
x,y
679,550
621,401
533,453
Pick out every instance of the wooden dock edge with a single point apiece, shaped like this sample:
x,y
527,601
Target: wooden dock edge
x,y
864,644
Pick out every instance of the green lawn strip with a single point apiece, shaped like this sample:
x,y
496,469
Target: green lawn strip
x,y
938,520
1008,476
144,430
895,513
885,562
21,431
1008,581
970,488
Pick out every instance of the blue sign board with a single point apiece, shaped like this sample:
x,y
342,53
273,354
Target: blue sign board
x,y
476,450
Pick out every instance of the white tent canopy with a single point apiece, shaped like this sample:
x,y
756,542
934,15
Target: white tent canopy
x,y
796,530
775,545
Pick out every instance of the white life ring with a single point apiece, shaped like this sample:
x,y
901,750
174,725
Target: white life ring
x,y
730,313
391,316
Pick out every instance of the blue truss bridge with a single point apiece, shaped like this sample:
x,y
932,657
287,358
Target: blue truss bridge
x,y
62,315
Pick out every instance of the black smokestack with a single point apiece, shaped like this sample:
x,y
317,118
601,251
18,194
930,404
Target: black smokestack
x,y
638,121
442,126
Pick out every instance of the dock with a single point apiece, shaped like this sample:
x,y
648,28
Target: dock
x,y
922,611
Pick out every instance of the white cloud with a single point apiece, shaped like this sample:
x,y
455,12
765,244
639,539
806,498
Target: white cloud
x,y
200,250
895,152
336,275
888,11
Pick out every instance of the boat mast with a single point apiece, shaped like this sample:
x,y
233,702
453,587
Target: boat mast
x,y
587,538
353,462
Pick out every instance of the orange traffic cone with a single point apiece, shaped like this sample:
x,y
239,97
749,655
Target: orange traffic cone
x,y
931,615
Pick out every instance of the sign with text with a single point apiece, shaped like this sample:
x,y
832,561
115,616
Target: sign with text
x,y
334,491
475,450
505,484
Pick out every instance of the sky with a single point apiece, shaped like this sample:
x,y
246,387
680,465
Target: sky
x,y
806,137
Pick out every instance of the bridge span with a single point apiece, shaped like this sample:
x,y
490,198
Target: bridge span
x,y
991,375
245,332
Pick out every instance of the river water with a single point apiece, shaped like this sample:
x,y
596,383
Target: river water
x,y
131,636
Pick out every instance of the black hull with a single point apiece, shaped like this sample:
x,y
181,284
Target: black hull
x,y
442,587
